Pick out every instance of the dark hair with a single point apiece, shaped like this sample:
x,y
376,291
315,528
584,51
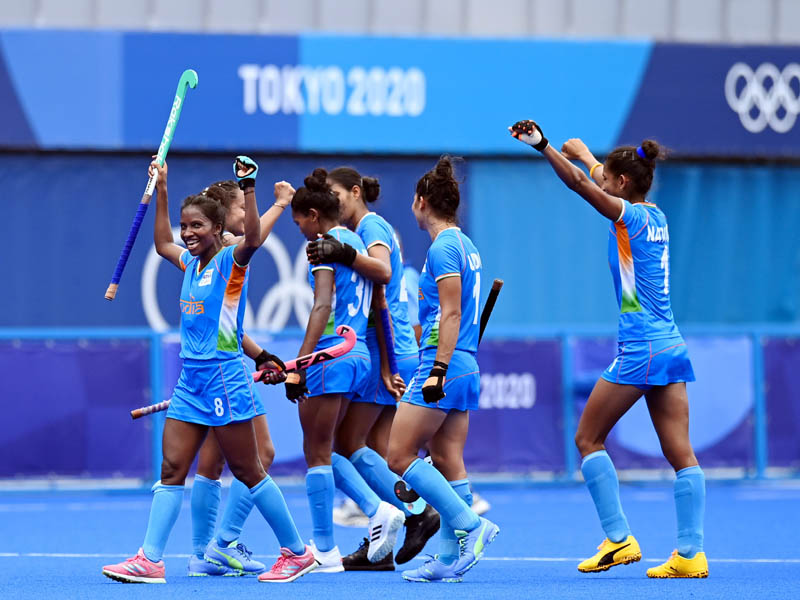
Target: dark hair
x,y
223,191
440,188
349,178
628,160
316,194
213,209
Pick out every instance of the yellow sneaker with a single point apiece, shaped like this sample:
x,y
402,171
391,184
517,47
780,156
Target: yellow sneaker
x,y
677,566
612,554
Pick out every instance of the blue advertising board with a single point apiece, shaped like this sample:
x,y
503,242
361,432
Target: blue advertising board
x,y
317,93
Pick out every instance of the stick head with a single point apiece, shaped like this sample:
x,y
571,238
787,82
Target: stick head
x,y
188,77
349,336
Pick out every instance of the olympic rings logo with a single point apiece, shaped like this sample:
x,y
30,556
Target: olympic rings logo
x,y
291,293
768,90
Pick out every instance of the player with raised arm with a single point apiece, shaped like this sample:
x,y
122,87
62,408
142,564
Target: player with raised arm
x,y
434,411
651,360
223,553
372,414
341,297
214,390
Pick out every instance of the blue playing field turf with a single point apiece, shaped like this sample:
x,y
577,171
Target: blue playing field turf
x,y
53,545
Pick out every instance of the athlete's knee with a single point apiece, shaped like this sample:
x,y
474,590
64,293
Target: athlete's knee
x,y
248,472
680,458
399,460
587,444
172,472
210,468
266,453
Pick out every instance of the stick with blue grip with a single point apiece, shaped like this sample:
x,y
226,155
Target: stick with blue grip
x,y
188,80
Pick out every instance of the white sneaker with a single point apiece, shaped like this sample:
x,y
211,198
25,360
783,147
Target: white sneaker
x,y
383,528
480,505
348,514
329,561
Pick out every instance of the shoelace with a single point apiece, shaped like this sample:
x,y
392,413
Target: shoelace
x,y
243,549
462,545
280,564
364,542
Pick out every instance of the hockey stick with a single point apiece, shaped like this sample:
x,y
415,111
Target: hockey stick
x,y
401,490
296,364
188,80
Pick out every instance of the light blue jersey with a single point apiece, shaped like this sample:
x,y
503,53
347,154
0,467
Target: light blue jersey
x,y
352,296
375,231
451,254
212,306
638,254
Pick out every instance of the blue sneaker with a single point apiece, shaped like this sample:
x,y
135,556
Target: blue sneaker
x,y
473,543
235,556
433,571
200,567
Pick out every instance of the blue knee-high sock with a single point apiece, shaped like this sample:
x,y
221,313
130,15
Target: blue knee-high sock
x,y
319,487
205,505
349,480
373,468
690,504
601,479
448,542
269,500
167,500
431,485
240,503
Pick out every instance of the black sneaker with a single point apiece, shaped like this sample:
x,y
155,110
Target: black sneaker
x,y
358,561
419,529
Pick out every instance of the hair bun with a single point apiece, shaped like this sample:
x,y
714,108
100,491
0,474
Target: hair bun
x,y
371,188
651,150
444,168
317,181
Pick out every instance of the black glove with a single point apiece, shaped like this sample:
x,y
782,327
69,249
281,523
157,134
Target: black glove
x,y
328,249
529,132
296,386
433,388
266,362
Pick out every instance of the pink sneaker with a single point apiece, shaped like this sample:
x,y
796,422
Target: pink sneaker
x,y
137,569
290,566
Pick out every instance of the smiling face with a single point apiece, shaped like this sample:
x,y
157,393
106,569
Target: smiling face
x,y
198,232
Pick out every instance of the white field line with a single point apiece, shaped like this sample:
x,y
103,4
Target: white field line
x,y
546,559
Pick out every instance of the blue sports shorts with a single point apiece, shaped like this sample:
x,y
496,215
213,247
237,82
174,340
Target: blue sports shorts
x,y
650,363
215,393
376,392
347,375
462,387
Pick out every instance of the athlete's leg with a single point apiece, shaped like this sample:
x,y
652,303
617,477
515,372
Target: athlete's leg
x,y
351,439
414,426
378,438
240,500
447,452
318,418
180,443
206,494
669,409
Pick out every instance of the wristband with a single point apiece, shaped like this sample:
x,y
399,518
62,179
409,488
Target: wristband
x,y
591,171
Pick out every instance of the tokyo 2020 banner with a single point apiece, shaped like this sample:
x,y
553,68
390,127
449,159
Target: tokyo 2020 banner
x,y
316,93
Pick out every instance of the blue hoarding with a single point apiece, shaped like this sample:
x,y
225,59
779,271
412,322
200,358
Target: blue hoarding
x,y
315,93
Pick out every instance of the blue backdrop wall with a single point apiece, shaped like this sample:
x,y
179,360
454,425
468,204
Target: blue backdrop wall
x,y
733,238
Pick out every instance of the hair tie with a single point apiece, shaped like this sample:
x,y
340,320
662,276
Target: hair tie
x,y
641,153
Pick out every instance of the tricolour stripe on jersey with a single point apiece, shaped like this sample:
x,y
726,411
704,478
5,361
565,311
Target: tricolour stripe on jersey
x,y
627,274
227,339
